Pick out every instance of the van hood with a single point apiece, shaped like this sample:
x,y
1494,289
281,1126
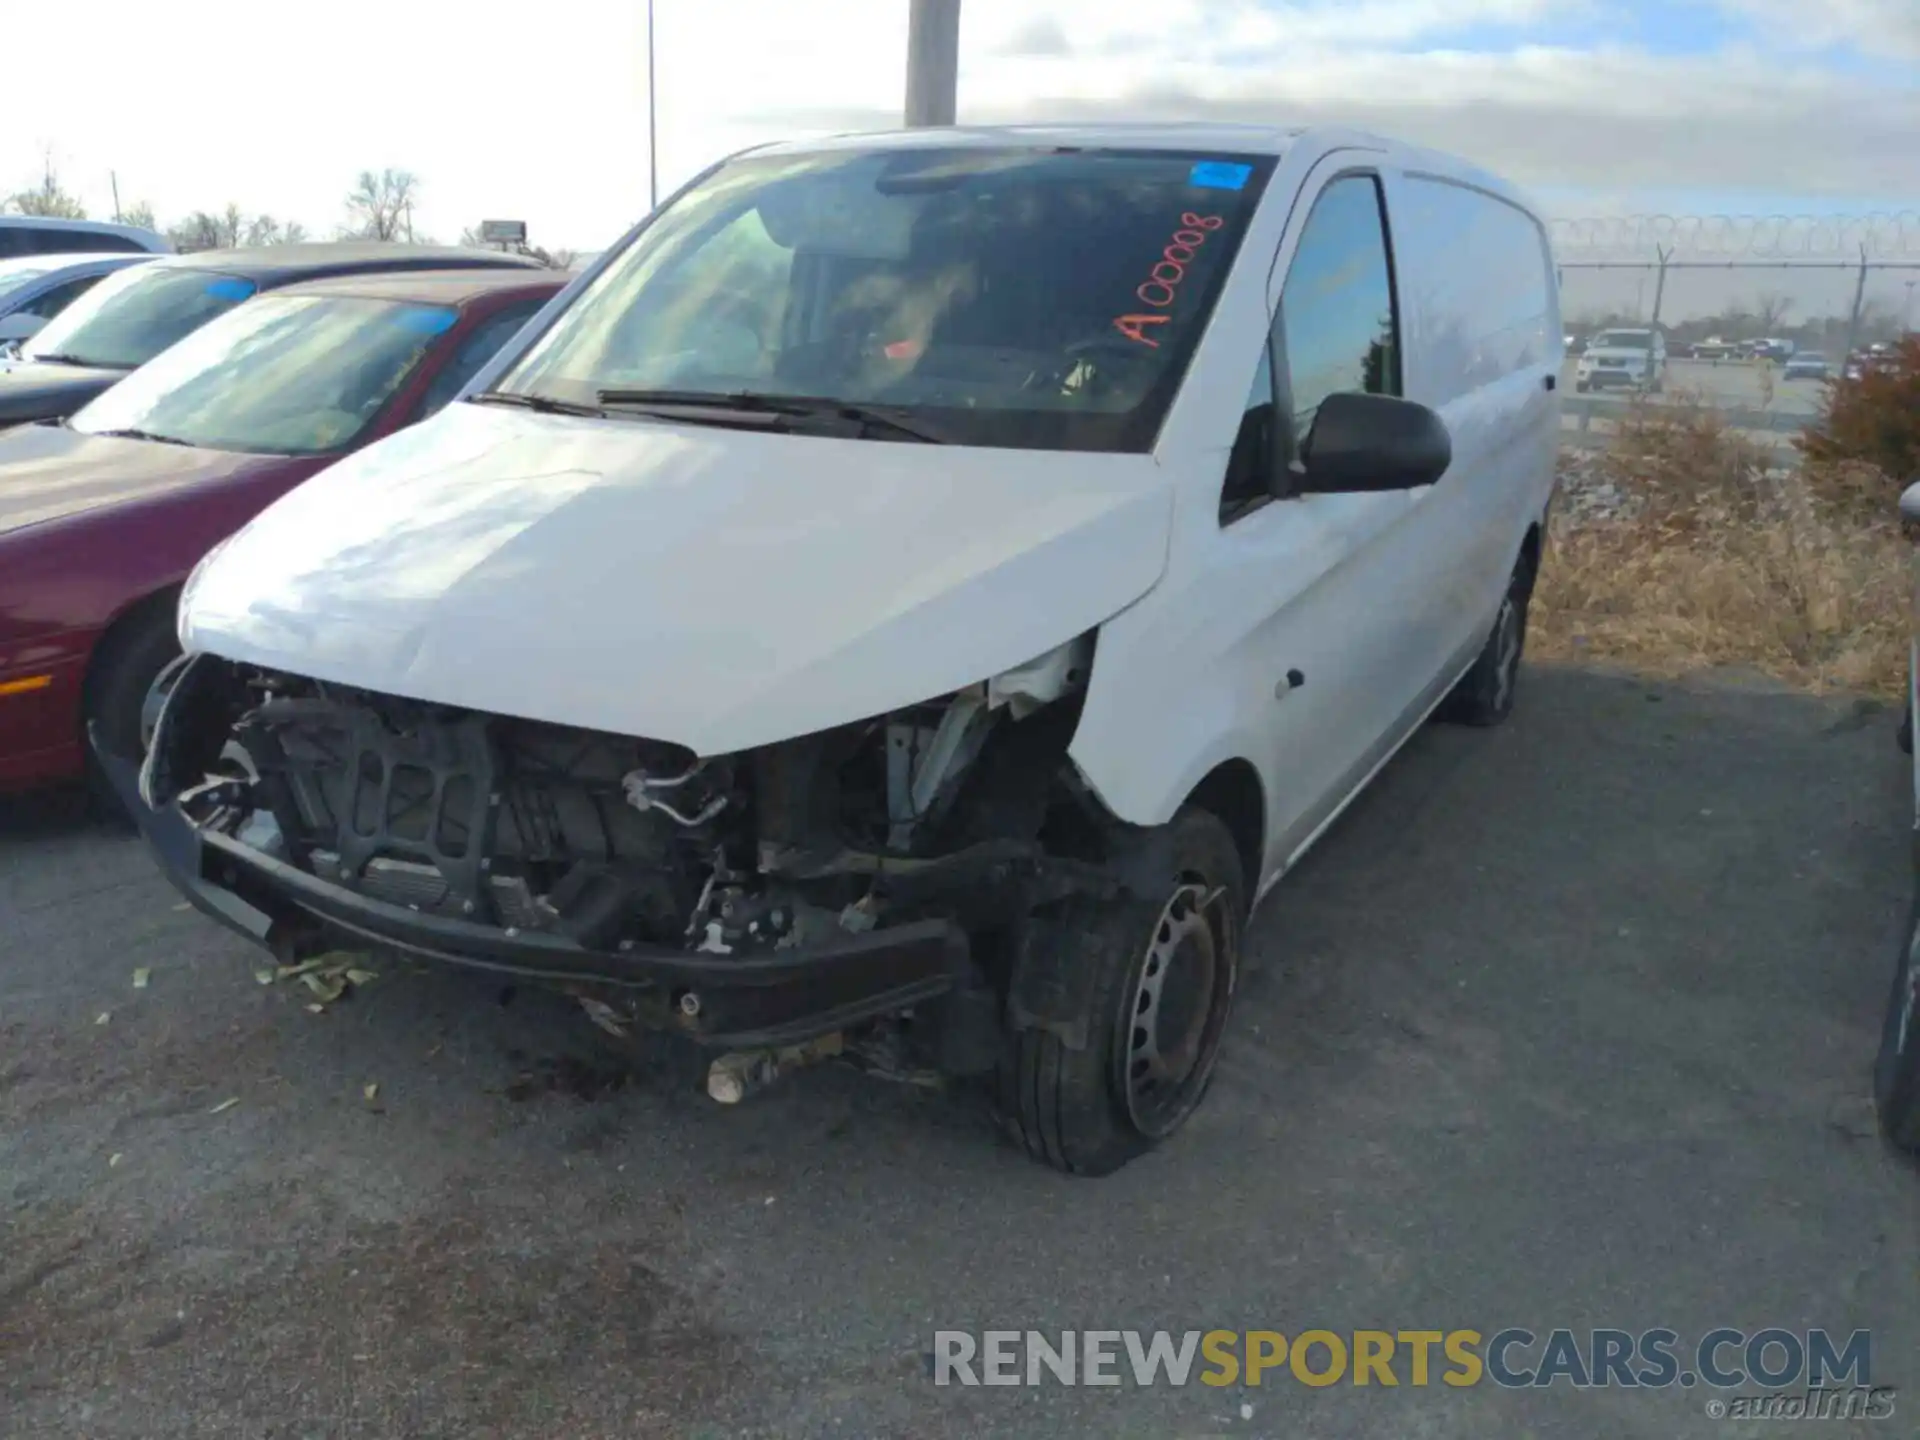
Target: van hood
x,y
715,588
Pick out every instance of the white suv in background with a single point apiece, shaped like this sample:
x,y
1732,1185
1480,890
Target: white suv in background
x,y
1624,360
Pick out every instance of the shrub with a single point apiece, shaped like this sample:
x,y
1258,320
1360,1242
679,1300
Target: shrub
x,y
1874,420
1718,558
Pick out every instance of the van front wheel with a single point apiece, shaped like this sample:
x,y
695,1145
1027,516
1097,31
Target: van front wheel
x,y
1896,1069
1160,975
1484,695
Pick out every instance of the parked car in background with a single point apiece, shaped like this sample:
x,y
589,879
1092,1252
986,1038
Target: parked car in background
x,y
1713,348
1772,349
38,235
103,517
1807,365
35,289
1865,360
1623,359
128,318
840,608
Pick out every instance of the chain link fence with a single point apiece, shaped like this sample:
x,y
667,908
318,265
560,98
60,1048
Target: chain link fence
x,y
1821,290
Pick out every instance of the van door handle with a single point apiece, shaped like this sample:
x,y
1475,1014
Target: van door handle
x,y
1291,682
1553,382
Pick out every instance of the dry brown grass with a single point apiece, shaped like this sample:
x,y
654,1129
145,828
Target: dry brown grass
x,y
1804,577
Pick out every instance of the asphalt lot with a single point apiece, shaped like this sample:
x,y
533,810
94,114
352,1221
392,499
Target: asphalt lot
x,y
1565,1024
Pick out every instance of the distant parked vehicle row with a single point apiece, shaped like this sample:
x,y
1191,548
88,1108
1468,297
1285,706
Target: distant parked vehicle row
x,y
37,288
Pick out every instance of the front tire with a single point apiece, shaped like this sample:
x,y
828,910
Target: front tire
x,y
1896,1070
1162,986
124,667
1484,695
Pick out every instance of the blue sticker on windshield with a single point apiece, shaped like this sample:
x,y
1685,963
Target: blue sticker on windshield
x,y
229,288
1220,175
424,321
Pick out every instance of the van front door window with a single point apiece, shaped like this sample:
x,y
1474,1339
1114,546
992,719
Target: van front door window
x,y
1337,322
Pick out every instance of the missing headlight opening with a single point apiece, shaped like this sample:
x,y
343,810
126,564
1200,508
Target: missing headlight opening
x,y
872,879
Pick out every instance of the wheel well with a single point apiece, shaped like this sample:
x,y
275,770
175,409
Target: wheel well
x,y
1232,792
1529,566
139,613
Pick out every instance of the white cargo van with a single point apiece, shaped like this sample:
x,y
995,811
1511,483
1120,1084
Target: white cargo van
x,y
908,600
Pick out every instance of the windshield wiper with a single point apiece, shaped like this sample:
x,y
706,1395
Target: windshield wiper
x,y
544,404
130,434
800,407
55,357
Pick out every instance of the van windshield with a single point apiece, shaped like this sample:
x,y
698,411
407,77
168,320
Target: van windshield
x,y
1623,340
1044,299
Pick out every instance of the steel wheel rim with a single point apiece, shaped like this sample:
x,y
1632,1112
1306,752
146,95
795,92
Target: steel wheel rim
x,y
1910,1009
1176,1008
1506,654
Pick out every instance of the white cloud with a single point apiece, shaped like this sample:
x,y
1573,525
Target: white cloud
x,y
542,115
1882,28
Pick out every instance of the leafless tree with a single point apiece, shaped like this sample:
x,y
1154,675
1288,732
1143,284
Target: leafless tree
x,y
48,198
205,231
140,213
265,230
232,228
380,205
1771,310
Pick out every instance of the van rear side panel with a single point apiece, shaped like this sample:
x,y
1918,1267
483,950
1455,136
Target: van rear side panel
x,y
1482,316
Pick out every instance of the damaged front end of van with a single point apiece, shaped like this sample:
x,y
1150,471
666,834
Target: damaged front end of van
x,y
872,882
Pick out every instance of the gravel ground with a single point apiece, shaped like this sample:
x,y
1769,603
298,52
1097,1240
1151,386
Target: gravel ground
x,y
1565,1024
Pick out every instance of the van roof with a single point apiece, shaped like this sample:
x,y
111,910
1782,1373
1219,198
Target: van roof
x,y
1183,135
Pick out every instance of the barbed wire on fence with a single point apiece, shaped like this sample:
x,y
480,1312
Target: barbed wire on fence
x,y
1883,235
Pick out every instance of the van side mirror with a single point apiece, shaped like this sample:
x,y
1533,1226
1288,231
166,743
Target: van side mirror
x,y
1373,442
1910,504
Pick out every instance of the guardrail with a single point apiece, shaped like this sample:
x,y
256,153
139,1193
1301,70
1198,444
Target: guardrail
x,y
1775,427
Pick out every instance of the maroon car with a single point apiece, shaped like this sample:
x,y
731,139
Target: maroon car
x,y
102,517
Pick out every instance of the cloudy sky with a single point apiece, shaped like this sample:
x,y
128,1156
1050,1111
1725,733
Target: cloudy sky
x,y
539,111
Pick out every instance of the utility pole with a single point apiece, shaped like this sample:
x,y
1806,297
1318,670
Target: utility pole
x,y
933,62
113,179
1660,285
1853,321
653,149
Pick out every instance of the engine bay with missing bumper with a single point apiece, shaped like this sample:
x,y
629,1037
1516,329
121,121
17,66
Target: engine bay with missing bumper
x,y
896,872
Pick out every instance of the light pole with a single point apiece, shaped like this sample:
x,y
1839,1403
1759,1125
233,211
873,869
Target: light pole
x,y
653,149
933,62
1906,309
